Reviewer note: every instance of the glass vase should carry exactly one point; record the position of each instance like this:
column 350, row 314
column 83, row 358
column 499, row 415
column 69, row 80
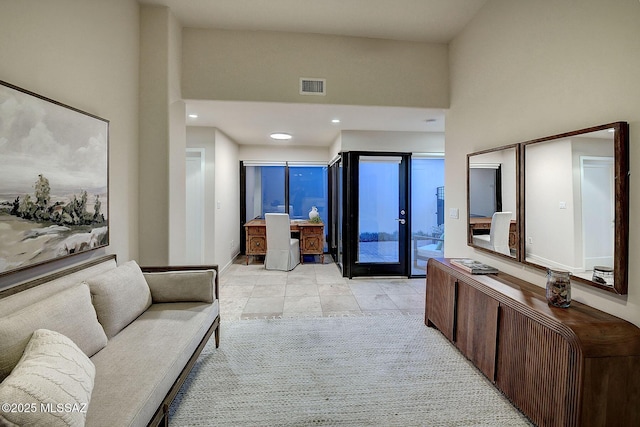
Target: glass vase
column 558, row 288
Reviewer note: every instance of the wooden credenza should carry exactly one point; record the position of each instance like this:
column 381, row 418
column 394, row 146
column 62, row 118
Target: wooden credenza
column 561, row 367
column 311, row 237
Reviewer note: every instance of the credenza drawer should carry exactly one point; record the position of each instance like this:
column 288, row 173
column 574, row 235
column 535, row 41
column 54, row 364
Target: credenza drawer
column 256, row 245
column 257, row 231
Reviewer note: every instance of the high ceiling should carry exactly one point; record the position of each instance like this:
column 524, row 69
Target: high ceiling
column 437, row 21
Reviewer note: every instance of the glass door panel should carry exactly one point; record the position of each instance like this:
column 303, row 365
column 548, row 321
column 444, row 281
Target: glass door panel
column 427, row 212
column 379, row 210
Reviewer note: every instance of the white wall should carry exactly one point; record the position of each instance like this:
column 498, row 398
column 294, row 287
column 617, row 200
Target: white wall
column 549, row 182
column 227, row 197
column 523, row 70
column 71, row 51
column 281, row 153
column 597, row 231
column 205, row 138
column 405, row 142
column 195, row 198
column 222, row 194
column 267, row 66
column 335, row 147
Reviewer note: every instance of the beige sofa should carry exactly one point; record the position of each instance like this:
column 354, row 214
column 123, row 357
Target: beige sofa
column 103, row 344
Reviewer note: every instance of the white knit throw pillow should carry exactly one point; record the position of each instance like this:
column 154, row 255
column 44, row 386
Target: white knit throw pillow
column 50, row 386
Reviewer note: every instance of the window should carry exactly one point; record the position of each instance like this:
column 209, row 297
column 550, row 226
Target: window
column 308, row 188
column 265, row 189
column 287, row 187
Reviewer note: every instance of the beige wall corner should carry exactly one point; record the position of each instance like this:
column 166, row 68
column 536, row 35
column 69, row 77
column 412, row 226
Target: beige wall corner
column 177, row 184
column 72, row 52
column 162, row 139
column 526, row 70
column 227, row 199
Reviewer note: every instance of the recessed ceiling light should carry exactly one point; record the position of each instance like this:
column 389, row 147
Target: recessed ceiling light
column 193, row 116
column 335, row 121
column 280, row 136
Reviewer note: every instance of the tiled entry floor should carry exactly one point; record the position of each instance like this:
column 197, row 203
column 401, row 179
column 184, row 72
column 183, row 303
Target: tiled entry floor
column 313, row 289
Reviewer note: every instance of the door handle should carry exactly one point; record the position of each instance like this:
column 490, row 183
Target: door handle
column 401, row 220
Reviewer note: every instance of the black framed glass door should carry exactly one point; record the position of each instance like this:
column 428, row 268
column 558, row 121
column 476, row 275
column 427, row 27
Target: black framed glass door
column 377, row 212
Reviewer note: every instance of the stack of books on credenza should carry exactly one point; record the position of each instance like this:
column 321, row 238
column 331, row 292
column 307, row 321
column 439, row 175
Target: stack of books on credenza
column 472, row 266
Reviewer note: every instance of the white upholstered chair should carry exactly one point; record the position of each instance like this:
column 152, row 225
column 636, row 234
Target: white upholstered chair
column 498, row 238
column 283, row 252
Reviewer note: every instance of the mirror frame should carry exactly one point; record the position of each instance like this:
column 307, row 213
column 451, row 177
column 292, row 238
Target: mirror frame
column 621, row 204
column 518, row 165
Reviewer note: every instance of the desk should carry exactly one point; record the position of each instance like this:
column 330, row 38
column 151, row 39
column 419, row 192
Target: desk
column 311, row 238
column 484, row 223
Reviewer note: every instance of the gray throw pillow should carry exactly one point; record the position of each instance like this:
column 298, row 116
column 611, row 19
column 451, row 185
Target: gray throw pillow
column 119, row 295
column 182, row 286
column 68, row 312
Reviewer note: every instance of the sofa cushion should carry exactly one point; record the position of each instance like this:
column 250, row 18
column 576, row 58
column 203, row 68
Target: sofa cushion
column 136, row 370
column 52, row 381
column 119, row 296
column 181, row 286
column 68, row 312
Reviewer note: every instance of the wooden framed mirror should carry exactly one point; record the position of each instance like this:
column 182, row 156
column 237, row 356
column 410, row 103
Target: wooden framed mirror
column 493, row 199
column 575, row 204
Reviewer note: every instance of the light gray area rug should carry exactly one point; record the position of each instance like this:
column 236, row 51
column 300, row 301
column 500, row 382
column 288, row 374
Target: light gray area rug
column 337, row 371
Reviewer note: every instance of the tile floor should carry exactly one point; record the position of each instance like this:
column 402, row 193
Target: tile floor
column 313, row 289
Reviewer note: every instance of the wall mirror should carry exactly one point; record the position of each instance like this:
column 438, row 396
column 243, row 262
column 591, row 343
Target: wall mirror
column 575, row 205
column 492, row 200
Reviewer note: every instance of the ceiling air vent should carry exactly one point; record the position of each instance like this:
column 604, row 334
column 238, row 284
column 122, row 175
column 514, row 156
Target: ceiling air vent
column 313, row 86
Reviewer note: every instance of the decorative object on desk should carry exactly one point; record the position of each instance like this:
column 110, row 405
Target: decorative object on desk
column 313, row 213
column 316, row 220
column 558, row 288
column 603, row 275
column 474, row 267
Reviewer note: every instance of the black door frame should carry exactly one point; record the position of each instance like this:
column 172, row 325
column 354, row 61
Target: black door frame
column 352, row 268
column 335, row 206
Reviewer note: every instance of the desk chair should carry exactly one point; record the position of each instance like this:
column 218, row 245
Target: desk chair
column 283, row 252
column 498, row 237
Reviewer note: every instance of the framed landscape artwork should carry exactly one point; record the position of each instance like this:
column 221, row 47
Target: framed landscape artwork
column 54, row 193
